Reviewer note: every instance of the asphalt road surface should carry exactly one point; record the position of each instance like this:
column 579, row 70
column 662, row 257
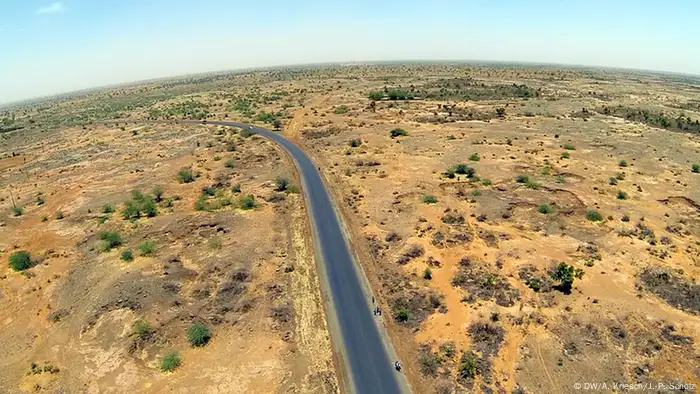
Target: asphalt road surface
column 371, row 369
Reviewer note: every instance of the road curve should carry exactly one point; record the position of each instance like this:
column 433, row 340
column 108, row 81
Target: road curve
column 366, row 357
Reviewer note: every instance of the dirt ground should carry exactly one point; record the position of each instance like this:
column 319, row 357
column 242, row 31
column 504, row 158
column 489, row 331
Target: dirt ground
column 464, row 187
column 247, row 274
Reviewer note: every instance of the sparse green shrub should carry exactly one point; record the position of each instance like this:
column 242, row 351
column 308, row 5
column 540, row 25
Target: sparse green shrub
column 230, row 163
column 625, row 218
column 185, row 175
column 170, row 362
column 231, row 146
column 486, row 182
column 474, row 157
column 40, row 200
column 467, row 365
column 476, row 193
column 200, row 204
column 131, row 211
column 245, row 133
column 127, row 255
column 157, row 193
column 430, row 199
column 546, row 170
column 461, row 169
column 20, row 260
column 612, row 181
column 532, row 184
column 107, row 208
column 236, row 188
column 217, row 158
column 355, row 142
column 621, row 195
column 402, row 315
column 341, row 110
column 398, row 133
column 111, row 239
column 59, row 215
column 593, row 215
column 247, row 202
column 565, row 155
column 146, row 248
column 214, row 243
column 545, row 209
column 569, row 147
column 44, row 218
column 142, row 329
column 17, row 211
column 428, row 274
column 620, row 176
column 522, row 178
column 137, row 195
column 198, row 334
column 695, row 168
column 622, row 163
column 560, row 179
column 208, row 191
column 281, row 184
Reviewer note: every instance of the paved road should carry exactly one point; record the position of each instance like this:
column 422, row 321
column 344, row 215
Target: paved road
column 371, row 369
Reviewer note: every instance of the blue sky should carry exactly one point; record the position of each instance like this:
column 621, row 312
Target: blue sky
column 53, row 47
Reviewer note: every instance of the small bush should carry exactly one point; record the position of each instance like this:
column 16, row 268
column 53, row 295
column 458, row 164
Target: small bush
column 355, row 142
column 531, row 184
column 236, row 188
column 486, row 182
column 569, row 147
column 620, row 176
column 621, row 195
column 461, row 169
column 340, row 110
column 107, row 208
column 545, row 209
column 59, row 215
column 428, row 274
column 402, row 315
column 230, row 163
column 625, row 218
column 622, row 163
column 217, row 158
column 111, row 239
column 593, row 215
column 146, row 248
column 522, row 178
column 142, row 329
column 170, row 362
column 44, row 218
column 198, row 334
column 281, row 184
column 474, row 157
column 200, row 204
column 560, row 179
column 476, row 193
column 695, row 168
column 247, row 202
column 40, row 200
column 565, row 155
column 17, row 211
column 185, row 175
column 430, row 199
column 127, row 255
column 468, row 365
column 20, row 260
column 157, row 194
column 208, row 191
column 612, row 181
column 398, row 133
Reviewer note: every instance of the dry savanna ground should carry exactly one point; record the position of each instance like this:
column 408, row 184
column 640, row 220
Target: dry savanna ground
column 161, row 258
column 525, row 228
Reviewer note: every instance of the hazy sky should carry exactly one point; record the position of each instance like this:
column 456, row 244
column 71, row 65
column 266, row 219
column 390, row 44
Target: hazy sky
column 58, row 46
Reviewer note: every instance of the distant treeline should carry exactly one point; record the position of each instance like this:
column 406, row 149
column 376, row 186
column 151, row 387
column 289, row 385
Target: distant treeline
column 464, row 89
column 651, row 118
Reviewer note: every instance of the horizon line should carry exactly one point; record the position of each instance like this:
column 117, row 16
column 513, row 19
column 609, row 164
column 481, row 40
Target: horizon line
column 326, row 64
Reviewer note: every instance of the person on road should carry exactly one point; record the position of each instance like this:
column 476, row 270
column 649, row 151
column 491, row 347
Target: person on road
column 373, row 299
column 397, row 365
